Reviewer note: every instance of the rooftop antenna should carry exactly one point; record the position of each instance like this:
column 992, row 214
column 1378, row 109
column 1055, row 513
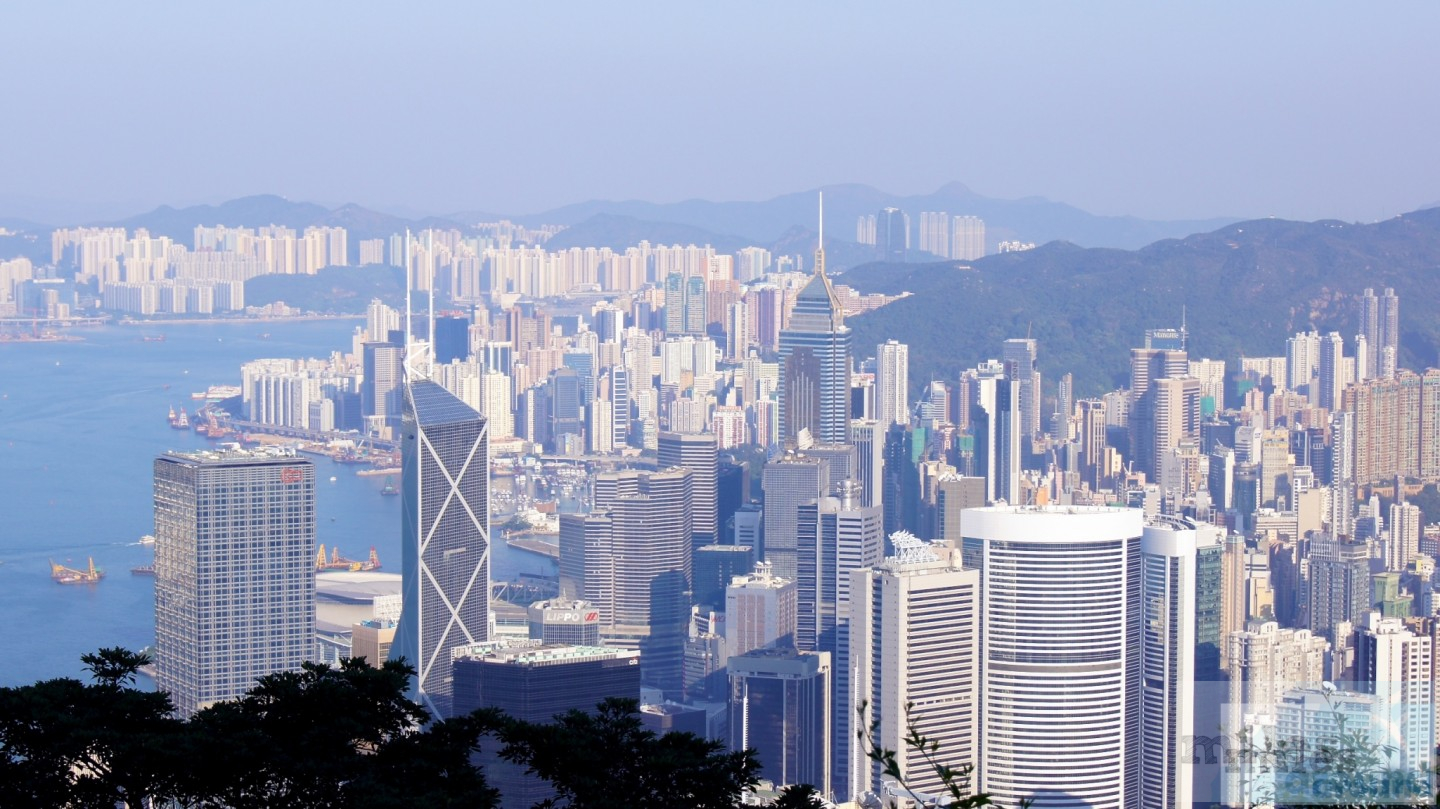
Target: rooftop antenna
column 408, row 284
column 820, row 245
column 429, row 264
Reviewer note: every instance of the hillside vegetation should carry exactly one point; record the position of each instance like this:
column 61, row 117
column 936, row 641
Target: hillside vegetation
column 1243, row 288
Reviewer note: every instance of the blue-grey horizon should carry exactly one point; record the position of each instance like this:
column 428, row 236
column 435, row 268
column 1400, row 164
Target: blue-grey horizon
column 1300, row 111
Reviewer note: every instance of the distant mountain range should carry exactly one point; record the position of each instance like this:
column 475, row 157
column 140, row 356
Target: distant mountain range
column 1243, row 288
column 1032, row 219
column 267, row 209
column 725, row 225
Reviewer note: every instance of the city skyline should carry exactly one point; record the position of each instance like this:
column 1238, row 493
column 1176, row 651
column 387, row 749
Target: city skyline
column 1058, row 499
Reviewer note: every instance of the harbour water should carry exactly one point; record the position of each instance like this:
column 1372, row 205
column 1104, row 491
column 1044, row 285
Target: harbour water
column 80, row 423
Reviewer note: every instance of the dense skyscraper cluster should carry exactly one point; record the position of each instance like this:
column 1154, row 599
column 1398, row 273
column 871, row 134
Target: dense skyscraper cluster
column 1069, row 588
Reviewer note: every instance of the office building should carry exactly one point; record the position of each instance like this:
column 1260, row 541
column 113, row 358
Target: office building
column 915, row 638
column 1168, row 640
column 954, row 494
column 1147, row 367
column 698, row 453
column 371, row 639
column 780, row 706
column 715, row 567
column 835, row 537
column 234, row 572
column 892, row 379
column 381, row 395
column 868, row 438
column 1019, row 356
column 787, row 483
column 759, row 611
column 444, row 536
column 535, row 683
column 892, row 234
column 1339, row 584
column 564, row 621
column 648, row 568
column 815, row 363
column 1062, row 614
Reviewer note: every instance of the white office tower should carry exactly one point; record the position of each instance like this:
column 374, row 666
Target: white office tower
column 759, row 611
column 914, row 642
column 892, row 378
column 1060, row 664
column 1395, row 665
column 1167, row 661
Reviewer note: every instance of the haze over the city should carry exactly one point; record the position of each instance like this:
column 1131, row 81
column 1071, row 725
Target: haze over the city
column 1295, row 110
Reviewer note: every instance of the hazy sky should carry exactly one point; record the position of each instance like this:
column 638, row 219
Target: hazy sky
column 1301, row 110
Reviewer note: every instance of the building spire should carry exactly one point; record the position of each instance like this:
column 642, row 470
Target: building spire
column 820, row 246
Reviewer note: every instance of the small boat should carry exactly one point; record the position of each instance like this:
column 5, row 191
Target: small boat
column 389, row 489
column 333, row 478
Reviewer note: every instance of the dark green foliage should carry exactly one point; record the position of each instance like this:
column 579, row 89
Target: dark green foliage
column 320, row 737
column 1245, row 288
column 68, row 743
column 798, row 796
column 608, row 760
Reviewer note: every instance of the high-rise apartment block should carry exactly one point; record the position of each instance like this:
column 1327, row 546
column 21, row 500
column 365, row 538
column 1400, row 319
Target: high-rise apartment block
column 234, row 571
column 1397, row 427
column 967, row 235
column 892, row 380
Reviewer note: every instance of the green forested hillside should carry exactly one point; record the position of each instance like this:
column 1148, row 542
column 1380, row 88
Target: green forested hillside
column 1244, row 289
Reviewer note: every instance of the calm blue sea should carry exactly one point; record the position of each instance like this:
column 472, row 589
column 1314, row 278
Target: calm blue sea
column 79, row 426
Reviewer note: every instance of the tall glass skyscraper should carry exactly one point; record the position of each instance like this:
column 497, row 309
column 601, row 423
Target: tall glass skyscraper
column 815, row 363
column 234, row 571
column 445, row 537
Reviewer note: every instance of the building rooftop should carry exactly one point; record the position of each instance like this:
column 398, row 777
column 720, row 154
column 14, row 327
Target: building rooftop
column 235, row 454
column 521, row 653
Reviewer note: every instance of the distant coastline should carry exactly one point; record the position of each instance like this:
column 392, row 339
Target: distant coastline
column 240, row 319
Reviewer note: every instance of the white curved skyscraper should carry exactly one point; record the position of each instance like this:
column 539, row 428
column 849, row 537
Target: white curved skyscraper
column 1061, row 596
